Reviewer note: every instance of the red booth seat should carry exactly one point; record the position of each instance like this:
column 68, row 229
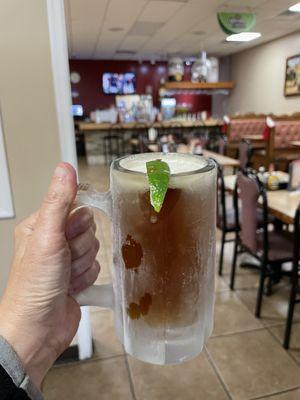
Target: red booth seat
column 240, row 128
column 285, row 133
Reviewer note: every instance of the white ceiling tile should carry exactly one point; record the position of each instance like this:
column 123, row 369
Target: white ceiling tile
column 83, row 38
column 89, row 24
column 274, row 7
column 118, row 14
column 145, row 28
column 109, row 41
column 87, row 9
column 132, row 43
column 231, row 4
column 123, row 13
column 159, row 11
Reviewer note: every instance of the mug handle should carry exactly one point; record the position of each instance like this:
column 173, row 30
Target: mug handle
column 95, row 295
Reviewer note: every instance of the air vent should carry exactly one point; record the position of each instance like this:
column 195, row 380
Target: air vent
column 198, row 33
column 232, row 43
column 174, row 1
column 145, row 28
column 126, row 52
column 116, row 29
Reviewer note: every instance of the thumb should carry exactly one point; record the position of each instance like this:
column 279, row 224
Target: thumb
column 58, row 201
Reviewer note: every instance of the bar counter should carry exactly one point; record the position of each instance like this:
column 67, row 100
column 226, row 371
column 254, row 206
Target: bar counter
column 104, row 126
column 94, row 133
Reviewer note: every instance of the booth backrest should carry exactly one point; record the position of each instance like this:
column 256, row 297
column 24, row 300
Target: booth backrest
column 285, row 132
column 241, row 128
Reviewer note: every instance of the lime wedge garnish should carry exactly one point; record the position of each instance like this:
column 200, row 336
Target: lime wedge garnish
column 158, row 177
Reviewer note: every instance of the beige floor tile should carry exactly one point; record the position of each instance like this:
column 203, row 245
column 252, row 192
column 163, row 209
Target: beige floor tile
column 292, row 395
column 106, row 343
column 294, row 349
column 231, row 315
column 274, row 307
column 192, row 380
column 103, row 380
column 97, row 175
column 227, row 261
column 244, row 280
column 105, row 266
column 221, row 284
column 253, row 364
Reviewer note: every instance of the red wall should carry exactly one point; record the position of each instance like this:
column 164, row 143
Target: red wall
column 90, row 93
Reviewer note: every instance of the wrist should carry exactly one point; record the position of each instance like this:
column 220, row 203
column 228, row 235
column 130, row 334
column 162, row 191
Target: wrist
column 36, row 357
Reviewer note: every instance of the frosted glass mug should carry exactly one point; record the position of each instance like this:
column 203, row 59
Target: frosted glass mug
column 162, row 290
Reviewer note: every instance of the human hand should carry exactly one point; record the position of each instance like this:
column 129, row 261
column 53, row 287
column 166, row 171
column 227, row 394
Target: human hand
column 54, row 257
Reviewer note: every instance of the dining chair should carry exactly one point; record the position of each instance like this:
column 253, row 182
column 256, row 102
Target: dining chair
column 294, row 293
column 222, row 145
column 143, row 143
column 270, row 248
column 244, row 153
column 176, row 129
column 141, row 129
column 113, row 143
column 294, row 174
column 225, row 217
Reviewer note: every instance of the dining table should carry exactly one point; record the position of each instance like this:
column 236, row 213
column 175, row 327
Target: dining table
column 222, row 160
column 282, row 203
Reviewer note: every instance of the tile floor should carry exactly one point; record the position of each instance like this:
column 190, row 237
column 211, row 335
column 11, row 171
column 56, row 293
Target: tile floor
column 243, row 360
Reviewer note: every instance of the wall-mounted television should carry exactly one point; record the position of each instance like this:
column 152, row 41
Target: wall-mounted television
column 113, row 83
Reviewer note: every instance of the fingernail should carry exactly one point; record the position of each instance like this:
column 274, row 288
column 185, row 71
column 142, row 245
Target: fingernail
column 60, row 173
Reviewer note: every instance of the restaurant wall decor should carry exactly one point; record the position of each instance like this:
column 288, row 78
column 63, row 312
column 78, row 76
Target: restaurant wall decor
column 88, row 92
column 292, row 76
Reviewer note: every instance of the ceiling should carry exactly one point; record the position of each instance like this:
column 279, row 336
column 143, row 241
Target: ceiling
column 154, row 29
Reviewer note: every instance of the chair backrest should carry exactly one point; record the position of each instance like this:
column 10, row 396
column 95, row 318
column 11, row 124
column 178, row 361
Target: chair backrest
column 245, row 150
column 297, row 235
column 143, row 148
column 222, row 145
column 294, row 171
column 249, row 189
column 285, row 132
column 245, row 126
column 221, row 199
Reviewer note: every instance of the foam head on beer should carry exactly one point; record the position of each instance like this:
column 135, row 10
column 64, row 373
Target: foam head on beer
column 178, row 163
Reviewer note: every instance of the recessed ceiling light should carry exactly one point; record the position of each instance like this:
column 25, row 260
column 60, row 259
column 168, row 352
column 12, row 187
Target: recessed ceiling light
column 295, row 7
column 116, row 29
column 243, row 37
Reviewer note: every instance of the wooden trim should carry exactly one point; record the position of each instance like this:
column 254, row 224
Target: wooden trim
column 6, row 201
column 62, row 88
column 186, row 85
column 285, row 117
column 248, row 116
column 276, row 117
column 61, row 79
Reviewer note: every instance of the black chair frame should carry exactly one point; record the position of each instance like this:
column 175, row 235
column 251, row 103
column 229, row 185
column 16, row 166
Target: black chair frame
column 268, row 269
column 225, row 229
column 294, row 293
